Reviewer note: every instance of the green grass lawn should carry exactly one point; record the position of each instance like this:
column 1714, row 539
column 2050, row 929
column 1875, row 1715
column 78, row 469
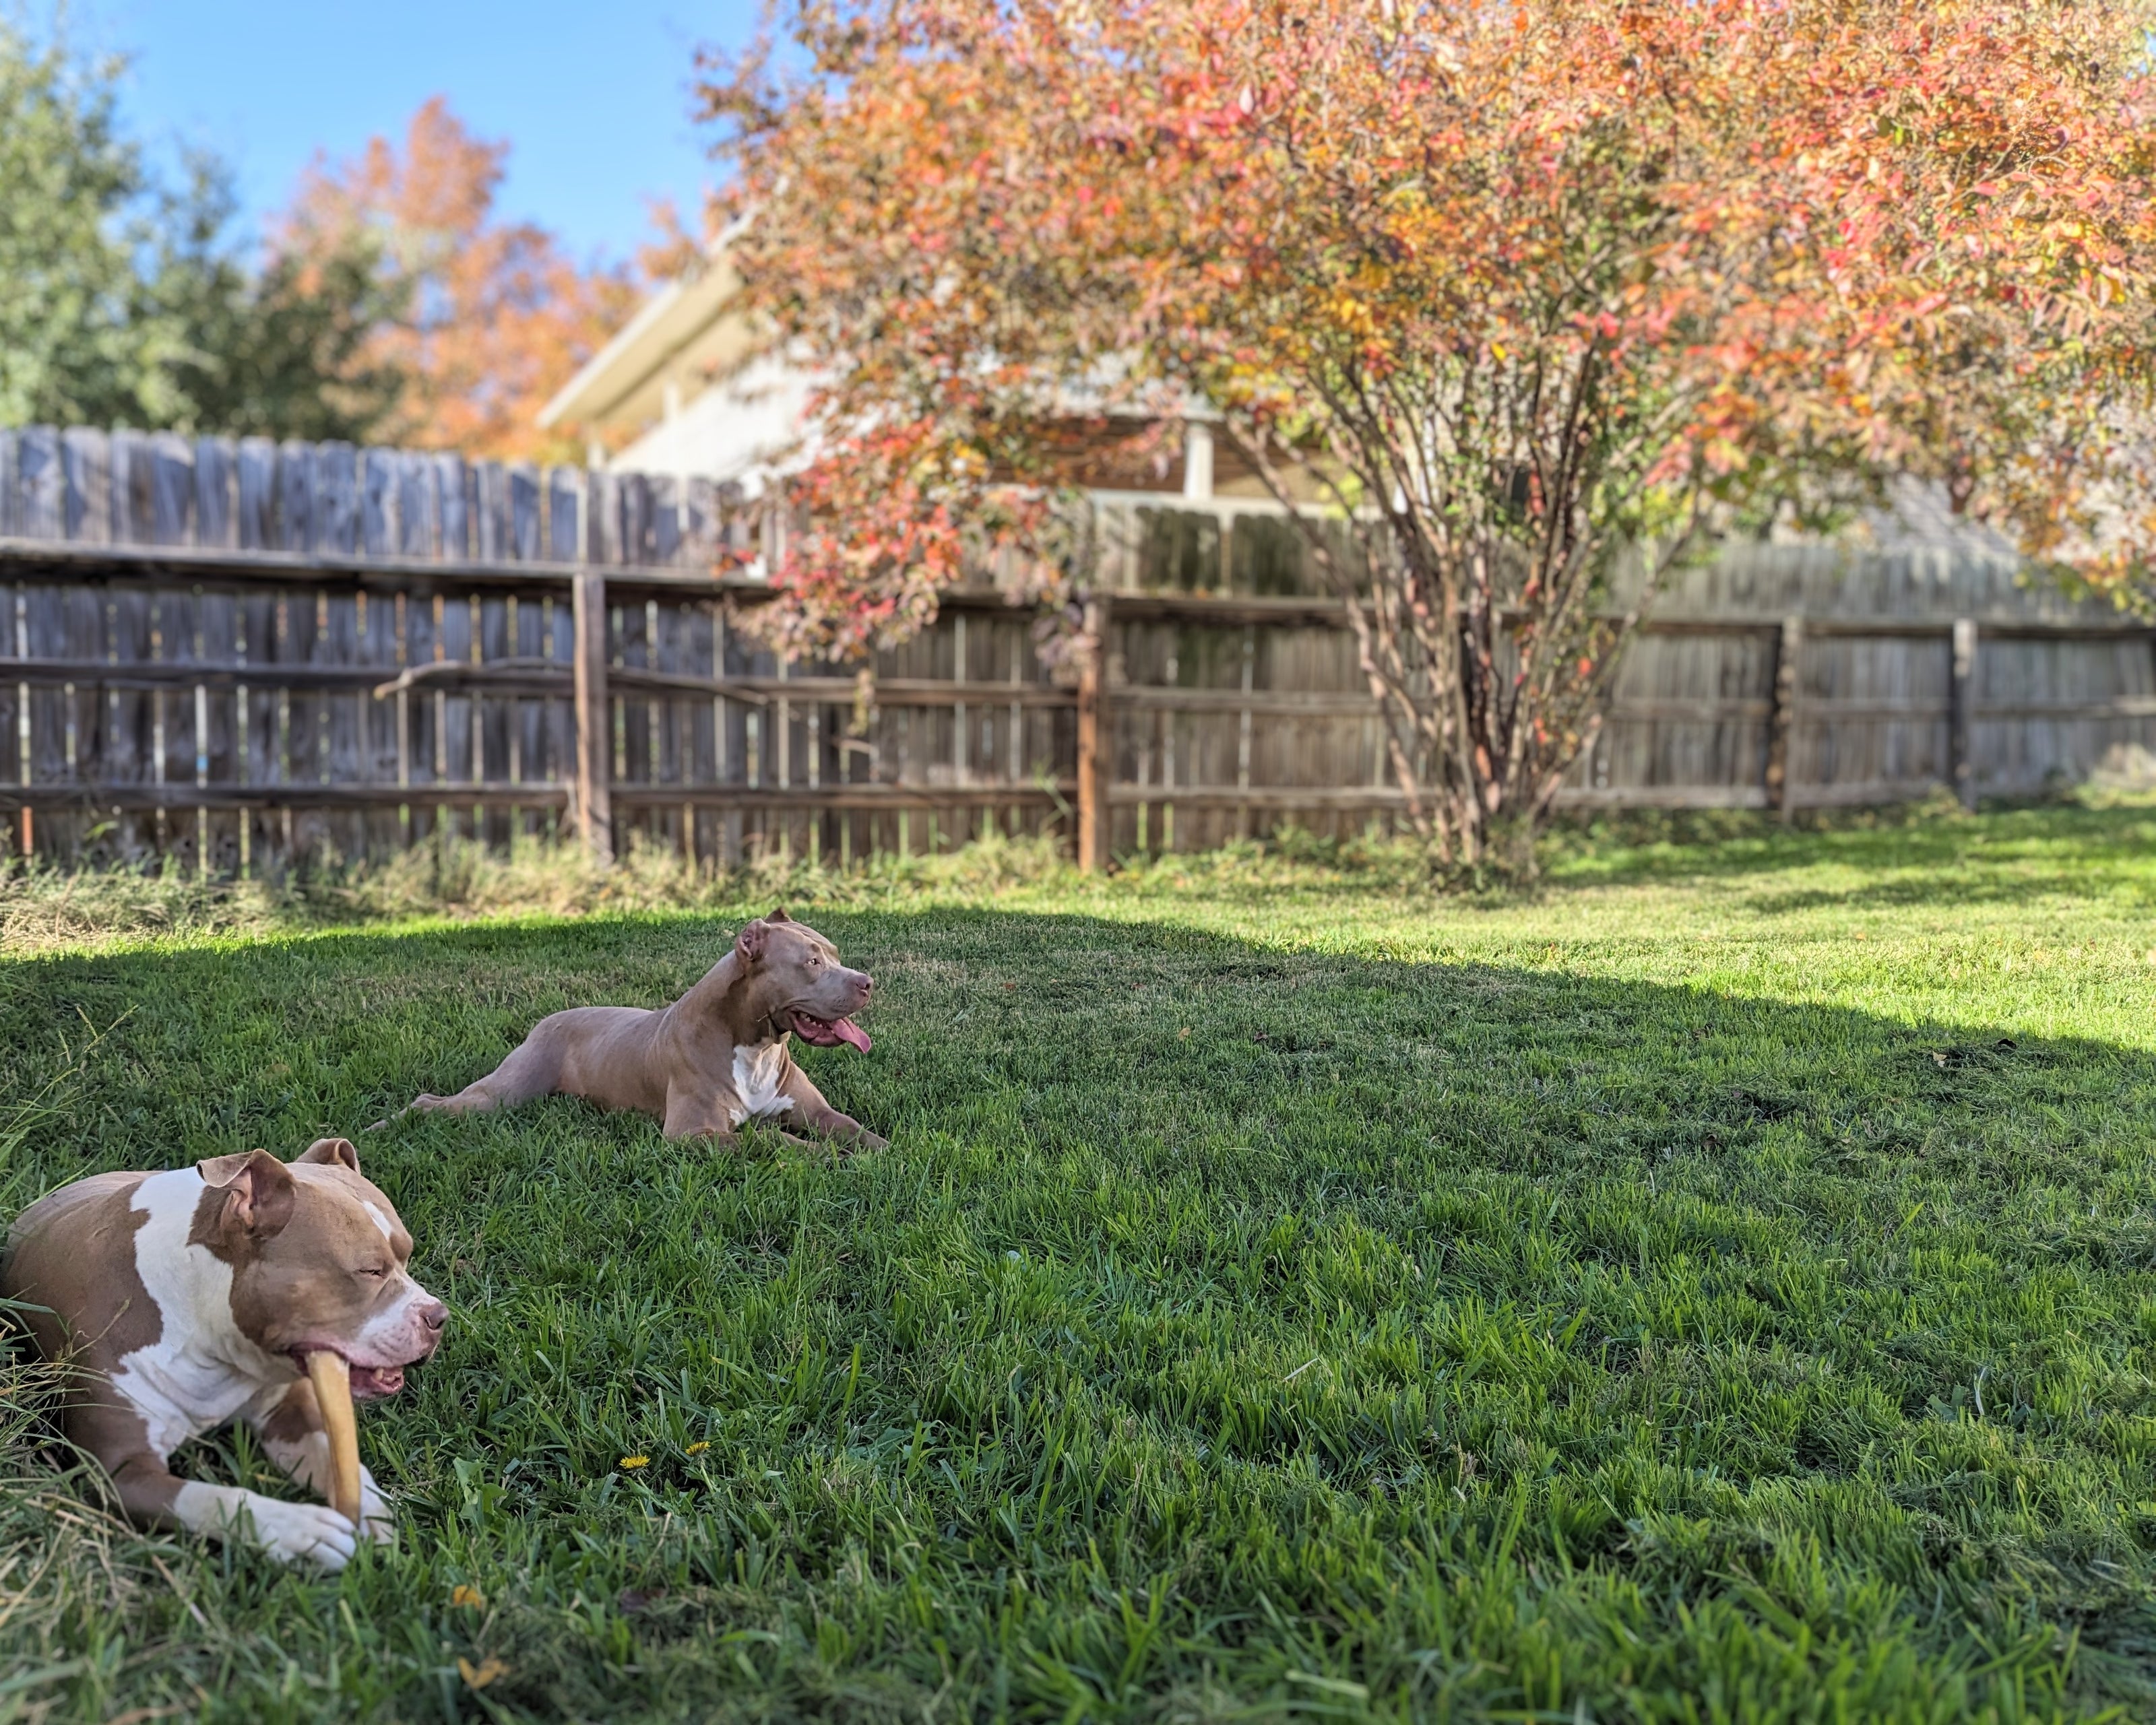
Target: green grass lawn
column 1717, row 1286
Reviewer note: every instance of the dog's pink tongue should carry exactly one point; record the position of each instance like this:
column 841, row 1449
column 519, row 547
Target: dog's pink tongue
column 851, row 1032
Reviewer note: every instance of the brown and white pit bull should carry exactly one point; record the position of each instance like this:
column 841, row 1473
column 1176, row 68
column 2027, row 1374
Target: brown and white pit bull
column 717, row 1057
column 188, row 1299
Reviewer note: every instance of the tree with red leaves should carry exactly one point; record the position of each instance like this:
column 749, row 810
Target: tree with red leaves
column 1544, row 297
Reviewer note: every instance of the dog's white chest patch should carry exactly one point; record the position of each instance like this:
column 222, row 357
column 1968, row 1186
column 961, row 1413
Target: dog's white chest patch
column 758, row 1072
column 200, row 1371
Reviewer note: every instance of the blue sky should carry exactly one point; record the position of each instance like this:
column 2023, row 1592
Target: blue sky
column 592, row 99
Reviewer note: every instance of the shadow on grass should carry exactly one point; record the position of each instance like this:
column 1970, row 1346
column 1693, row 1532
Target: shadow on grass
column 1224, row 1321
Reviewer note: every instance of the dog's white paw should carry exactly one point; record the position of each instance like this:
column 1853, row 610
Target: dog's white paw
column 303, row 1533
column 290, row 1532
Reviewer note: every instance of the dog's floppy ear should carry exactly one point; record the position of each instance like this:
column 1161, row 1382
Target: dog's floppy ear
column 332, row 1153
column 778, row 916
column 249, row 1197
column 751, row 941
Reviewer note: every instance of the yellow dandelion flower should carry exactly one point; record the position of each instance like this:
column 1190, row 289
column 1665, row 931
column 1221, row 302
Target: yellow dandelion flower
column 636, row 1461
column 467, row 1596
column 698, row 1449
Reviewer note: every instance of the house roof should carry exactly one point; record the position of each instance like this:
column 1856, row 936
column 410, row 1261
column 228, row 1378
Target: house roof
column 684, row 384
column 684, row 336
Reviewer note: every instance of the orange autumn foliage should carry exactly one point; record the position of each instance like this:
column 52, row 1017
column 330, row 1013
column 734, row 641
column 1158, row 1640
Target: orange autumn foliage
column 497, row 316
column 1555, row 292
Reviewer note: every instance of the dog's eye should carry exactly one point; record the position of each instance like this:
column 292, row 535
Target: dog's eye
column 374, row 1270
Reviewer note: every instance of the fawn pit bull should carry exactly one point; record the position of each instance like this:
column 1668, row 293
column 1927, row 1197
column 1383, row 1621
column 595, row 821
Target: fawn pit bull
column 717, row 1057
column 187, row 1298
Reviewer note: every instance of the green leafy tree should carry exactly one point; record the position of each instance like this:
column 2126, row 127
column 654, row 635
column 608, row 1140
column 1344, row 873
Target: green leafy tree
column 123, row 301
column 290, row 350
column 73, row 345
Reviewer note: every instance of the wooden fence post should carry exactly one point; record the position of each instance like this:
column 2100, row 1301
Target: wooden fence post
column 1782, row 728
column 1960, row 710
column 594, row 716
column 1092, row 749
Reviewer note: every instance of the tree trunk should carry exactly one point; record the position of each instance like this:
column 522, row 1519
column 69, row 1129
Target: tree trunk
column 1489, row 647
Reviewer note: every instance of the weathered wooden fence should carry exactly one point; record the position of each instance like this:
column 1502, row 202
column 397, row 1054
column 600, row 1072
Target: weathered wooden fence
column 250, row 654
column 247, row 655
column 1778, row 676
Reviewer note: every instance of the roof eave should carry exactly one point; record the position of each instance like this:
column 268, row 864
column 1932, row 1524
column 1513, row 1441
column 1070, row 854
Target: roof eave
column 643, row 347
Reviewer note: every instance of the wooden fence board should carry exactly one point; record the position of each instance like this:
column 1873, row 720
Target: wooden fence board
column 82, row 633
column 604, row 541
column 176, row 628
column 561, row 712
column 128, row 466
column 86, row 475
column 344, row 762
column 495, row 712
column 217, row 519
column 40, row 509
column 12, row 690
column 378, row 831
column 171, row 465
column 455, row 762
column 378, row 502
column 295, row 497
column 335, row 498
column 129, row 714
column 256, row 494
column 633, row 492
column 260, row 709
column 305, row 639
column 669, row 654
column 565, row 496
column 43, row 613
column 217, row 757
column 419, row 513
column 523, row 481
column 490, row 520
column 527, row 720
column 418, row 731
column 452, row 520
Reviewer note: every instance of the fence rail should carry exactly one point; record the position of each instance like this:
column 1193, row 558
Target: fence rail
column 244, row 655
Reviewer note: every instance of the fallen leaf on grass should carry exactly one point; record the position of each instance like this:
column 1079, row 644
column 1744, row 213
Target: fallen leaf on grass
column 467, row 1596
column 1938, row 1055
column 480, row 1676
